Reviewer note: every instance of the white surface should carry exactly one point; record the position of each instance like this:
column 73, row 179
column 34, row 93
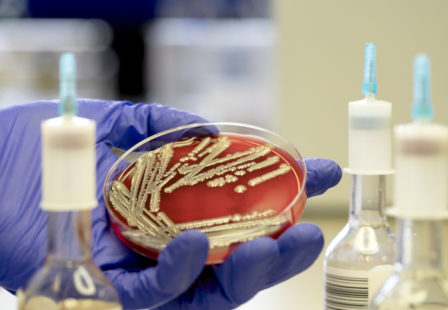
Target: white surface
column 7, row 300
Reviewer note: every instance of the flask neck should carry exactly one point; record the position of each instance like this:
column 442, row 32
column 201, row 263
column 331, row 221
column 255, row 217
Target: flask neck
column 69, row 235
column 420, row 244
column 367, row 201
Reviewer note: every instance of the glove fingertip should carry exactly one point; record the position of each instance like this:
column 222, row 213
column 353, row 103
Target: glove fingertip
column 302, row 234
column 299, row 247
column 191, row 241
column 181, row 262
column 311, row 233
column 304, row 242
column 254, row 251
column 246, row 270
column 322, row 174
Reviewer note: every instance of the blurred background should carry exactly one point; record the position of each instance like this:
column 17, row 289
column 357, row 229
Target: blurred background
column 287, row 65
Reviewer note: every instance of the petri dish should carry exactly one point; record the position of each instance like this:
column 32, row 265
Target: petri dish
column 234, row 182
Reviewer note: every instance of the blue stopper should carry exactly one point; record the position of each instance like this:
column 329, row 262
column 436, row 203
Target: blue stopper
column 369, row 86
column 67, row 84
column 422, row 107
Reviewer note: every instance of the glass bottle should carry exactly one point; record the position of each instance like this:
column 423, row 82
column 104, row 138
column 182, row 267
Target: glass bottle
column 69, row 279
column 420, row 281
column 360, row 257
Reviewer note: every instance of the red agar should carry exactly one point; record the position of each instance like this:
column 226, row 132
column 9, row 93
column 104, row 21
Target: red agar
column 246, row 175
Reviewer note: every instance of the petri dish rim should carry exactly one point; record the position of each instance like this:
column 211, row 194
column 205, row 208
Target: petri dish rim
column 292, row 148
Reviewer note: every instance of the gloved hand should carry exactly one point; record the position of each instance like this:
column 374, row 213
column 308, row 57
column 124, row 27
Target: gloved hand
column 179, row 279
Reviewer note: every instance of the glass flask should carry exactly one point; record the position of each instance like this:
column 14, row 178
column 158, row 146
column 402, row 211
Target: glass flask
column 421, row 147
column 360, row 257
column 232, row 181
column 420, row 281
column 69, row 279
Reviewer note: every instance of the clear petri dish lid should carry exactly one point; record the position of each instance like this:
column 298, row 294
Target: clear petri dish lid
column 234, row 182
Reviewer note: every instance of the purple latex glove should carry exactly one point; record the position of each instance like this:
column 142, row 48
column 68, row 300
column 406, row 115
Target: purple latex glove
column 179, row 279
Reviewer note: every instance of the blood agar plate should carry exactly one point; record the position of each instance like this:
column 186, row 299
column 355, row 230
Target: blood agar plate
column 234, row 182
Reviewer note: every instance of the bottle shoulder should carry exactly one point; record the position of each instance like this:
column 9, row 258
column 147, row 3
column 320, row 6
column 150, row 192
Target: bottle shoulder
column 57, row 283
column 413, row 290
column 365, row 245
